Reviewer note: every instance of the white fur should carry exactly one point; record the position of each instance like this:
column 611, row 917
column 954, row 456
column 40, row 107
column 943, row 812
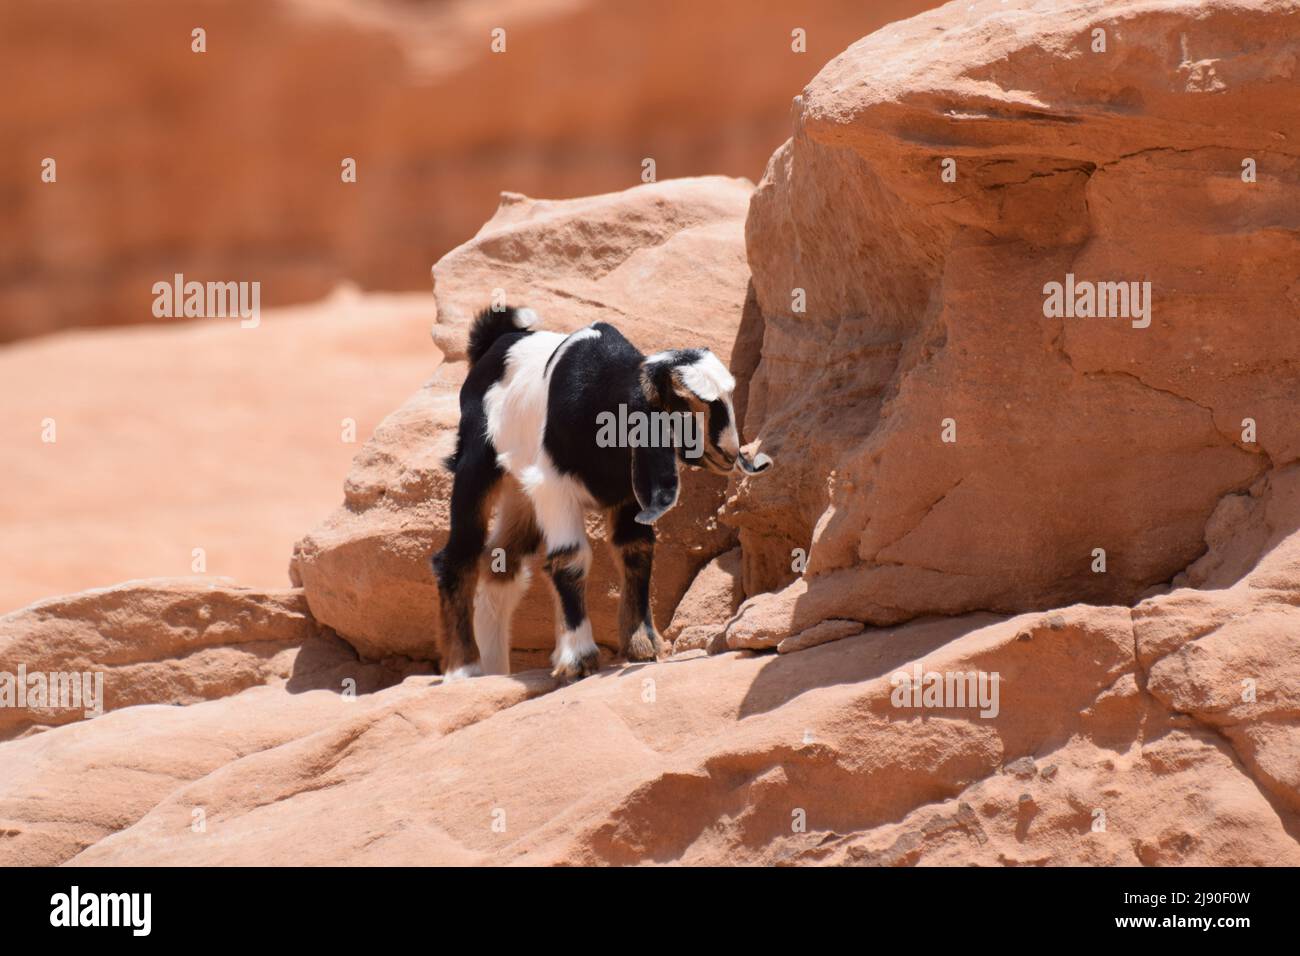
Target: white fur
column 708, row 378
column 461, row 673
column 710, row 381
column 572, row 646
column 516, row 405
column 494, row 605
column 561, row 504
column 516, row 422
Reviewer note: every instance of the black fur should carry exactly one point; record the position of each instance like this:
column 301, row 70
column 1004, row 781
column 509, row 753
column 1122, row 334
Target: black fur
column 488, row 327
column 594, row 375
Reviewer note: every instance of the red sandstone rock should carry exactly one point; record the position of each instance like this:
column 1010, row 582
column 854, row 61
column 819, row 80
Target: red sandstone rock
column 1090, row 755
column 710, row 601
column 1160, row 731
column 164, row 641
column 823, row 633
column 925, row 309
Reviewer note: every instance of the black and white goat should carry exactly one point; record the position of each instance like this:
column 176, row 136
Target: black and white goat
column 528, row 445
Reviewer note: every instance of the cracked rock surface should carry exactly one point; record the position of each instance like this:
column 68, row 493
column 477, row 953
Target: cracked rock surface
column 1118, row 736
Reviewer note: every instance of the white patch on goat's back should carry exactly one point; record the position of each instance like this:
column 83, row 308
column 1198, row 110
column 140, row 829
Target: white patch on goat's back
column 526, row 318
column 516, row 405
column 707, row 377
column 516, row 425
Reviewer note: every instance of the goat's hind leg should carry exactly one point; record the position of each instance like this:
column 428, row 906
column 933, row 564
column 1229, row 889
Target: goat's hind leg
column 504, row 576
column 457, row 564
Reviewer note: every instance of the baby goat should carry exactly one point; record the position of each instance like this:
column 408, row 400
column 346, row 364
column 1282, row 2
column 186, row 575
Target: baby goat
column 529, row 444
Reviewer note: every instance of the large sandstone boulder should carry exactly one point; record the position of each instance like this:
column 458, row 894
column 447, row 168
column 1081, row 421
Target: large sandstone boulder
column 235, row 173
column 902, row 307
column 64, row 790
column 665, row 263
column 708, row 604
column 666, row 259
column 164, row 641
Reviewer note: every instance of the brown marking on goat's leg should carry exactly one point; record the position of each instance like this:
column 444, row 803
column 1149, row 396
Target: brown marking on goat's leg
column 634, row 545
column 504, row 575
column 474, row 491
column 515, row 531
column 458, row 647
column 576, row 655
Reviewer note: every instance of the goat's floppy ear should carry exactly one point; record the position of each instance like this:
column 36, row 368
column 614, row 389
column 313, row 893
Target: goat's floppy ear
column 658, row 381
column 654, row 482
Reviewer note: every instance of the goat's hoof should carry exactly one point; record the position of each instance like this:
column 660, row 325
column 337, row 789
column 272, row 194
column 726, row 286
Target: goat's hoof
column 641, row 647
column 570, row 669
column 462, row 672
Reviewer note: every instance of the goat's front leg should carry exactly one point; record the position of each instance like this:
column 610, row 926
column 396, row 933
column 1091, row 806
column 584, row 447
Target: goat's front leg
column 634, row 543
column 560, row 516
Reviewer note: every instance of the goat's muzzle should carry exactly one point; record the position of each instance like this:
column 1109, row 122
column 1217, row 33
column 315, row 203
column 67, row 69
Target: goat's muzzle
column 753, row 466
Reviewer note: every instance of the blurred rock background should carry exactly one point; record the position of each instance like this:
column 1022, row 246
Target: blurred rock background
column 225, row 165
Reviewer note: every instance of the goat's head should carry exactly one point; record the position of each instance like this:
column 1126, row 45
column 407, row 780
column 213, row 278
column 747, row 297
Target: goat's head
column 694, row 384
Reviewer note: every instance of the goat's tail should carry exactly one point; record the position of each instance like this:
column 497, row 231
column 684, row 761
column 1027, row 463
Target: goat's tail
column 489, row 325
